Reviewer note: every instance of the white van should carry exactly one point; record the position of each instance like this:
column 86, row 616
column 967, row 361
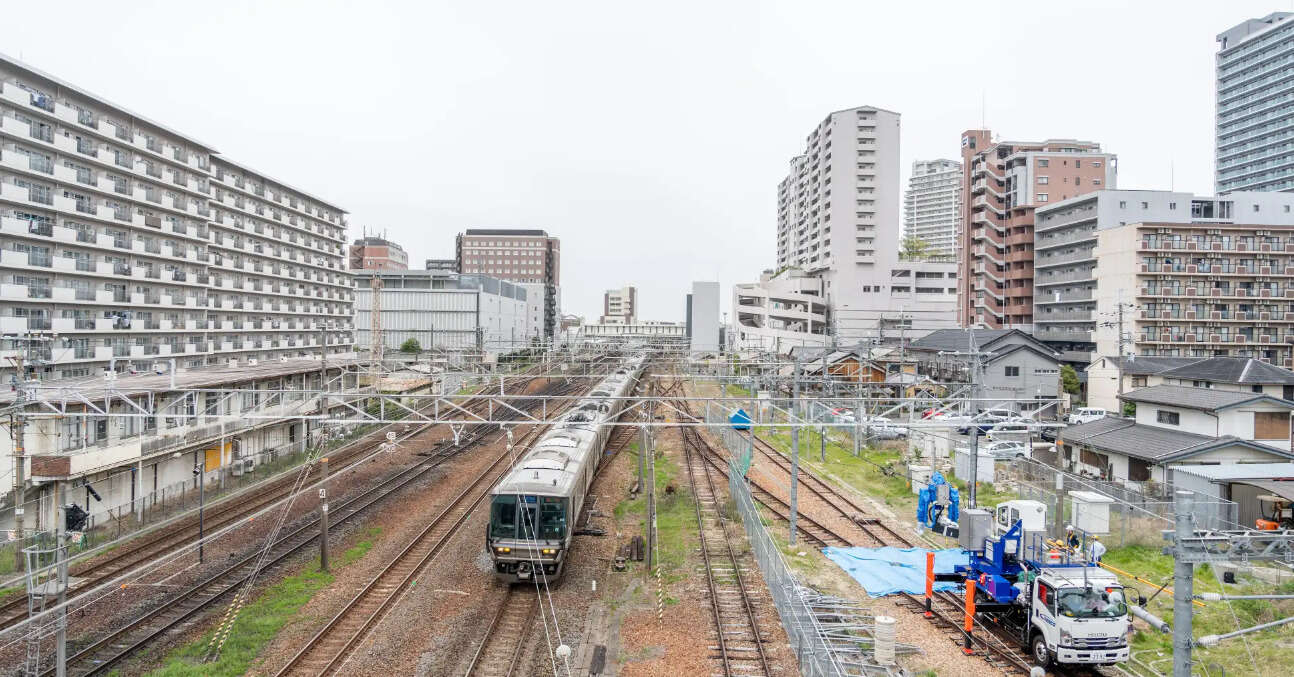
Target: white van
column 1086, row 415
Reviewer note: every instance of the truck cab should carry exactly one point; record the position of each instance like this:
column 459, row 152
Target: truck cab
column 1077, row 615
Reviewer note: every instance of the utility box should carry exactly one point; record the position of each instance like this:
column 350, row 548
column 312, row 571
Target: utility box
column 975, row 525
column 920, row 476
column 963, row 470
column 1091, row 511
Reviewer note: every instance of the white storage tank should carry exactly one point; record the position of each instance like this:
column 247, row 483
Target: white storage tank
column 962, row 466
column 920, row 476
column 1090, row 511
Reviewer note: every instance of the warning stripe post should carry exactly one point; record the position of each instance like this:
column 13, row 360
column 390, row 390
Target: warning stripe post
column 970, row 616
column 930, row 582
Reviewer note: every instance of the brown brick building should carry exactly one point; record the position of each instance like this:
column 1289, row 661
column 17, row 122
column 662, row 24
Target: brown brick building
column 1002, row 183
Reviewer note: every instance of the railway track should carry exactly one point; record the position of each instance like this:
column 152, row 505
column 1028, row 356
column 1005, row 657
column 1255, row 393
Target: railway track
column 333, row 645
column 739, row 644
column 147, row 546
column 500, row 652
column 108, row 651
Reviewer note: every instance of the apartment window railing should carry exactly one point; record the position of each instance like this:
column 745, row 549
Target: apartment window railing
column 84, row 294
column 86, row 147
column 85, row 206
column 39, row 323
column 120, row 296
column 85, row 236
column 38, row 291
column 40, row 163
column 85, row 265
column 41, row 259
column 124, row 134
column 40, row 228
column 42, row 132
column 85, row 176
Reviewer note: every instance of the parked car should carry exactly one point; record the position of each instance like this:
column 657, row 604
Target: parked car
column 1086, row 415
column 1013, row 430
column 842, row 415
column 883, row 428
column 985, row 420
column 1007, row 449
column 1050, row 434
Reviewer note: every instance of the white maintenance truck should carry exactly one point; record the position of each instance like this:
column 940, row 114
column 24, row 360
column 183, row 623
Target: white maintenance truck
column 1059, row 606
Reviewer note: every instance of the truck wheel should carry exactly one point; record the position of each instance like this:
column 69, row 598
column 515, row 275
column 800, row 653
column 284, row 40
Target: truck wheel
column 1040, row 653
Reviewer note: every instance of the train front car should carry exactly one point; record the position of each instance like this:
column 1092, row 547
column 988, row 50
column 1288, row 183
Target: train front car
column 534, row 507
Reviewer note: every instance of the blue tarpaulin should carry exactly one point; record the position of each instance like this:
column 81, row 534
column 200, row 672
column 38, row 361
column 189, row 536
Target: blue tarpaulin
column 740, row 420
column 886, row 571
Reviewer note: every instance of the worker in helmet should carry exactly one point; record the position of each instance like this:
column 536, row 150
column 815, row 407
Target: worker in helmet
column 1097, row 549
column 1071, row 538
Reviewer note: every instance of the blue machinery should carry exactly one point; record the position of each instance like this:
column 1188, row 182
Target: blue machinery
column 937, row 506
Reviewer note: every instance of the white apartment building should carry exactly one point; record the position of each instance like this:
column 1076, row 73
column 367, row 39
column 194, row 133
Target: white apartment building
column 932, row 204
column 620, row 305
column 444, row 310
column 781, row 311
column 1216, row 283
column 1252, row 130
column 1065, row 235
column 838, row 219
column 124, row 242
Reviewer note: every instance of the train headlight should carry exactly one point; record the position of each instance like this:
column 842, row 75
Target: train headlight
column 502, row 550
column 549, row 551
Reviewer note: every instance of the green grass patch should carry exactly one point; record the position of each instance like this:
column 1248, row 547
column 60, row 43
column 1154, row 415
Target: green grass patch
column 675, row 515
column 1213, row 618
column 876, row 471
column 259, row 621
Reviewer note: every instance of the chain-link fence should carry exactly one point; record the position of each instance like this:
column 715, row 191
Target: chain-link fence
column 1134, row 518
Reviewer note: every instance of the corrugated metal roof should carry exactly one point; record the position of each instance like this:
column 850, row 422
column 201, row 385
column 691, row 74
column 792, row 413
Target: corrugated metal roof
column 1233, row 472
column 1207, row 399
column 957, row 339
column 1233, row 370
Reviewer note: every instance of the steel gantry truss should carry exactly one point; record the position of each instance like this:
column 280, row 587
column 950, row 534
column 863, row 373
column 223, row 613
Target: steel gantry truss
column 204, row 405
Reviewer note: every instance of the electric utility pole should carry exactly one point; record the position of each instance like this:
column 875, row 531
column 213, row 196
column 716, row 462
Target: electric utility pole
column 795, row 444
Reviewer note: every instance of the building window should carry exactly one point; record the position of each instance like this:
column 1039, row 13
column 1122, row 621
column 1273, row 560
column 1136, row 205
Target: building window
column 1145, row 205
column 1255, row 208
column 1043, row 180
column 1043, row 163
column 1172, row 205
column 1042, row 197
column 1096, row 163
column 1123, row 204
column 1257, row 389
column 1012, row 371
column 1138, row 381
column 1168, row 417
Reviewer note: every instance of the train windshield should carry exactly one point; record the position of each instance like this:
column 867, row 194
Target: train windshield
column 528, row 517
column 503, row 517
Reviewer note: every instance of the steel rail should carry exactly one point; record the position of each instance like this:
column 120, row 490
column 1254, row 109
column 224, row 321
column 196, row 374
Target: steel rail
column 372, row 603
column 231, row 577
column 695, row 451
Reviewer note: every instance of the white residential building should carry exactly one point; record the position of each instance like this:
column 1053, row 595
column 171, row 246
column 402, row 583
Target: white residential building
column 1252, row 130
column 620, row 305
column 838, row 220
column 932, row 204
column 125, row 242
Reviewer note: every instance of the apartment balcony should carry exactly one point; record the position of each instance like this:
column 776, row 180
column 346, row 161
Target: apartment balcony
column 1063, row 333
column 1041, row 241
column 1062, row 278
column 1065, row 316
column 1080, row 295
column 1080, row 255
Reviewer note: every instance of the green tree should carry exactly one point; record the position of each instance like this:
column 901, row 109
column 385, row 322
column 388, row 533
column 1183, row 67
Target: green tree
column 914, row 248
column 411, row 346
column 1069, row 379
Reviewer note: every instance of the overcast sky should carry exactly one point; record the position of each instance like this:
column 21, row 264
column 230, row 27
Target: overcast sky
column 650, row 137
